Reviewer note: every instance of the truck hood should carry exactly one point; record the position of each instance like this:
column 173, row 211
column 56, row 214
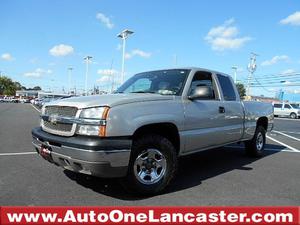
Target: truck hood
column 109, row 100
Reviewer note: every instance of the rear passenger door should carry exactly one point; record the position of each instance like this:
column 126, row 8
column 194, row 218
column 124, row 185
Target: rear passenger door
column 233, row 110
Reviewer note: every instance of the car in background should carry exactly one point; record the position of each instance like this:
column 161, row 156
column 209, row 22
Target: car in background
column 287, row 110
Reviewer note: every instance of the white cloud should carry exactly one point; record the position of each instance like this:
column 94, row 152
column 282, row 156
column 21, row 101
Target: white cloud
column 107, row 72
column 288, row 71
column 61, row 50
column 37, row 73
column 225, row 37
column 104, row 79
column 105, row 20
column 138, row 52
column 275, row 60
column 293, row 19
column 119, row 47
column 7, row 57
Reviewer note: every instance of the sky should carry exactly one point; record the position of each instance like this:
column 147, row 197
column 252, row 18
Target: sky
column 40, row 40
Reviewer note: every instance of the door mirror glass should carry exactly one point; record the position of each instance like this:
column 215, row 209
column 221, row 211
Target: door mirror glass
column 202, row 92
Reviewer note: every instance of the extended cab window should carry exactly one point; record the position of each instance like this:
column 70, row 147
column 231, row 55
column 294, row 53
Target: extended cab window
column 227, row 88
column 202, row 78
column 278, row 106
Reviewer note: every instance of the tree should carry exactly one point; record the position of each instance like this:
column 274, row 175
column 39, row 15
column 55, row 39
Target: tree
column 37, row 88
column 7, row 86
column 241, row 89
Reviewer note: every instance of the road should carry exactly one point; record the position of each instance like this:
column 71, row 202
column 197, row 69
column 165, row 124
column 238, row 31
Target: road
column 224, row 176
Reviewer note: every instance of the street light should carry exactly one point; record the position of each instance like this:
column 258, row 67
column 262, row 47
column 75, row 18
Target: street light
column 70, row 77
column 235, row 72
column 87, row 61
column 124, row 35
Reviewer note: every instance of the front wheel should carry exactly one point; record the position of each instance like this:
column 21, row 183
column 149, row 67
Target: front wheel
column 152, row 166
column 293, row 115
column 256, row 145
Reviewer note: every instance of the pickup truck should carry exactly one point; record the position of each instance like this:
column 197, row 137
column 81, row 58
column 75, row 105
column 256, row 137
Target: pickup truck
column 138, row 133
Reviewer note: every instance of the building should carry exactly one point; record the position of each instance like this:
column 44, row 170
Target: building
column 27, row 94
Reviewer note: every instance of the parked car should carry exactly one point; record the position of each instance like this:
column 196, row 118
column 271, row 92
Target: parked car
column 287, row 110
column 138, row 133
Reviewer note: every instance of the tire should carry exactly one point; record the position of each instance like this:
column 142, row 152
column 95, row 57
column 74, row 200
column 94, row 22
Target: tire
column 147, row 150
column 293, row 116
column 256, row 145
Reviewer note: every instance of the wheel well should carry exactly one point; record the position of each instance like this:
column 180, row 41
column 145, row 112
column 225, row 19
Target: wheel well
column 262, row 121
column 167, row 130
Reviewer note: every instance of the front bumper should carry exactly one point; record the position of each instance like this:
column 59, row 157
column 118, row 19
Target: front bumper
column 101, row 157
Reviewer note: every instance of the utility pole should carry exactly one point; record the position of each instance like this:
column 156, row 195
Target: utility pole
column 87, row 61
column 251, row 68
column 70, row 78
column 234, row 72
column 124, row 35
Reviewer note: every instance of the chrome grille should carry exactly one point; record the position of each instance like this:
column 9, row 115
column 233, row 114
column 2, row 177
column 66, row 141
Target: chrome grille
column 58, row 128
column 65, row 111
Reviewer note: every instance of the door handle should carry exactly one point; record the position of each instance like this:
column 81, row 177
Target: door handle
column 221, row 109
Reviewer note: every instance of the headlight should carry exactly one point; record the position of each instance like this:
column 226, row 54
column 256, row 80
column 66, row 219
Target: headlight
column 93, row 113
column 99, row 113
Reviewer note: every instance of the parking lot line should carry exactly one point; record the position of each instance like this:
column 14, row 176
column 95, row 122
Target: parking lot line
column 293, row 120
column 267, row 149
column 36, row 108
column 283, row 144
column 17, row 153
column 290, row 132
column 297, row 139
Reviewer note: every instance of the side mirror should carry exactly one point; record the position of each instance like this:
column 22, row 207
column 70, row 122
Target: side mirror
column 202, row 92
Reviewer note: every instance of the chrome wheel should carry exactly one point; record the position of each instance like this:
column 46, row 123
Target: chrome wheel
column 150, row 166
column 259, row 141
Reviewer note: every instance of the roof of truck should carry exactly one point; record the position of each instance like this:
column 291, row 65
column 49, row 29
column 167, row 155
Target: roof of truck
column 190, row 68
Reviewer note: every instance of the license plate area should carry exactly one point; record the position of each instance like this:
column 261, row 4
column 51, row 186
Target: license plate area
column 45, row 152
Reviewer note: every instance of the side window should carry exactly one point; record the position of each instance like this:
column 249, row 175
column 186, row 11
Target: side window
column 202, row 78
column 287, row 106
column 227, row 88
column 278, row 106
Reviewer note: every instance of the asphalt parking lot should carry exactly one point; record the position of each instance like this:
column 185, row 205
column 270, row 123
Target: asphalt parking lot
column 224, row 176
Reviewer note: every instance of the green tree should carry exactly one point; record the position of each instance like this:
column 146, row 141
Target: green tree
column 241, row 89
column 7, row 86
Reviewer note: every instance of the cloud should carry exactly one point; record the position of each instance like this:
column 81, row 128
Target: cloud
column 288, row 71
column 105, row 20
column 119, row 47
column 275, row 60
column 61, row 50
column 7, row 57
column 107, row 72
column 293, row 19
column 37, row 73
column 104, row 79
column 138, row 52
column 225, row 37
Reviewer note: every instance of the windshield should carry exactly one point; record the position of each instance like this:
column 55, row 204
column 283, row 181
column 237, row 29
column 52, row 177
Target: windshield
column 295, row 106
column 164, row 82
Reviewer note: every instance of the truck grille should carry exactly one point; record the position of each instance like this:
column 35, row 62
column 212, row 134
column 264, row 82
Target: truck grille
column 58, row 128
column 61, row 111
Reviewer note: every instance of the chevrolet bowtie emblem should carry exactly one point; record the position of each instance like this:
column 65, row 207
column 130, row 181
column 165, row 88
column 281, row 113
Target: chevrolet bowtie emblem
column 53, row 119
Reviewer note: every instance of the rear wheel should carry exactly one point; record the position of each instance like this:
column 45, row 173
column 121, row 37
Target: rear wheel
column 152, row 166
column 293, row 115
column 256, row 145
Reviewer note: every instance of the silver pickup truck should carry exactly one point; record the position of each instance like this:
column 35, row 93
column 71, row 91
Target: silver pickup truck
column 139, row 132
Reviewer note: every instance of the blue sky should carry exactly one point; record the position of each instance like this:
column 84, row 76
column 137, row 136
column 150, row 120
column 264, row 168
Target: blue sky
column 39, row 40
